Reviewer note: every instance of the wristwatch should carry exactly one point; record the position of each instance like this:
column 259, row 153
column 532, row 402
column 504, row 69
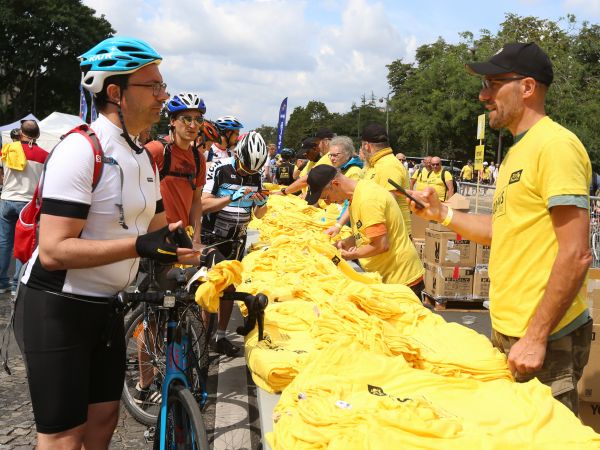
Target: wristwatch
column 283, row 191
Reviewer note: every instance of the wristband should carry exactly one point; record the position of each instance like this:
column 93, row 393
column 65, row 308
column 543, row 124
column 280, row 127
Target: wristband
column 448, row 218
column 337, row 225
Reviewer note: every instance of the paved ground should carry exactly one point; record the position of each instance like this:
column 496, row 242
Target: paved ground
column 232, row 394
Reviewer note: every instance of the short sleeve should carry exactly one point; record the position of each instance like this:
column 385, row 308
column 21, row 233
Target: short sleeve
column 564, row 169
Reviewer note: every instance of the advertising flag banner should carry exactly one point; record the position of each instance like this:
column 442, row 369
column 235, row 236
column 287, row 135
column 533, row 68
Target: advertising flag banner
column 83, row 107
column 281, row 124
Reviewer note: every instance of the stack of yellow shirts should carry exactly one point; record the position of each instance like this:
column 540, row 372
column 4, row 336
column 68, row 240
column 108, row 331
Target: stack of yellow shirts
column 349, row 398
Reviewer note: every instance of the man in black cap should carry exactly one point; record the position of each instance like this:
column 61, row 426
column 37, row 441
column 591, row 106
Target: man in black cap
column 540, row 250
column 316, row 150
column 379, row 238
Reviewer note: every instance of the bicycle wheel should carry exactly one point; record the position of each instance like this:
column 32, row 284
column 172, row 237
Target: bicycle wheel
column 185, row 428
column 152, row 354
column 153, row 360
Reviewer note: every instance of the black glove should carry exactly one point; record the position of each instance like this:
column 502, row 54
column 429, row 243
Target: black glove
column 156, row 246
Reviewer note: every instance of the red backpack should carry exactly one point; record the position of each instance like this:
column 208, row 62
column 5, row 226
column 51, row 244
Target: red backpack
column 26, row 229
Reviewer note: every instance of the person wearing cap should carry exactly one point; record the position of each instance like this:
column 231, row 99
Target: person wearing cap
column 485, row 174
column 379, row 240
column 21, row 164
column 440, row 179
column 316, row 149
column 382, row 166
column 538, row 230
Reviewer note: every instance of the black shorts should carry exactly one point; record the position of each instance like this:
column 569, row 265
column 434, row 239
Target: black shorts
column 69, row 365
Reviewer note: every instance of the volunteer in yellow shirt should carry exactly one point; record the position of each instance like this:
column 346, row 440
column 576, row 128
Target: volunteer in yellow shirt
column 440, row 179
column 419, row 177
column 380, row 240
column 466, row 173
column 485, row 175
column 383, row 165
column 343, row 156
column 538, row 230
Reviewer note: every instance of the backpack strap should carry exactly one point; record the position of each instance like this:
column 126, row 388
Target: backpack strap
column 99, row 159
column 167, row 165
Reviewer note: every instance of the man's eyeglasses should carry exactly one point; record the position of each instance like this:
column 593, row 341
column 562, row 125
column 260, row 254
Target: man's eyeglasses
column 187, row 120
column 157, row 88
column 436, row 164
column 488, row 83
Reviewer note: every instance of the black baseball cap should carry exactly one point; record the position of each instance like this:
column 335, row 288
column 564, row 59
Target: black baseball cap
column 318, row 178
column 525, row 59
column 307, row 145
column 325, row 133
column 374, row 133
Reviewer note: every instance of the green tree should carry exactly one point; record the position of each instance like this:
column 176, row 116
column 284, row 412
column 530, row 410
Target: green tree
column 40, row 42
column 305, row 122
column 268, row 133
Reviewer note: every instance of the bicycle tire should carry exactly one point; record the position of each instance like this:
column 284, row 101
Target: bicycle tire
column 185, row 427
column 147, row 412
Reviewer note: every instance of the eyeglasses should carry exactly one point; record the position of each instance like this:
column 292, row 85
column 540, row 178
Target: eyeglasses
column 334, row 155
column 487, row 83
column 157, row 88
column 246, row 171
column 435, row 164
column 187, row 120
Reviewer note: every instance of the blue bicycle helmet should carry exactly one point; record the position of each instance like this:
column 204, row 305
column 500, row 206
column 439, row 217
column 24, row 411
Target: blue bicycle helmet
column 228, row 123
column 185, row 101
column 287, row 153
column 114, row 56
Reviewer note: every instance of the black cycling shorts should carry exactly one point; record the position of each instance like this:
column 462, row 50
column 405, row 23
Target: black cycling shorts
column 69, row 365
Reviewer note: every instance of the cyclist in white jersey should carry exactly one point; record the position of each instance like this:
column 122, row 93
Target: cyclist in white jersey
column 90, row 241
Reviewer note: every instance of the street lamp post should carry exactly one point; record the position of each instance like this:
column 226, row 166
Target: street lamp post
column 387, row 112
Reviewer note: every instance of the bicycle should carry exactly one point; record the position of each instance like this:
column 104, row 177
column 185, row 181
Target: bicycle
column 175, row 355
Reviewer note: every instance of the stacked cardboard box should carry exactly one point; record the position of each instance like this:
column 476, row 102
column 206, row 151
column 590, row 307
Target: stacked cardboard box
column 449, row 264
column 420, row 246
column 589, row 384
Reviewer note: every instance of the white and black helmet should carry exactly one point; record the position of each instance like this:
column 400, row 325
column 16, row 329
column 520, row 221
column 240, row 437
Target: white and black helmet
column 251, row 150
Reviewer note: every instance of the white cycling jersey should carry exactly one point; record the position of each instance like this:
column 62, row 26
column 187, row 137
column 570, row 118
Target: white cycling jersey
column 67, row 191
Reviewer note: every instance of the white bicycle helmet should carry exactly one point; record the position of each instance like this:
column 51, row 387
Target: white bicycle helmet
column 251, row 150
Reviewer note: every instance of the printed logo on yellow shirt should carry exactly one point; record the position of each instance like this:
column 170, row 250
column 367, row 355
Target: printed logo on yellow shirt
column 376, row 390
column 358, row 224
column 499, row 206
column 335, row 260
column 515, row 176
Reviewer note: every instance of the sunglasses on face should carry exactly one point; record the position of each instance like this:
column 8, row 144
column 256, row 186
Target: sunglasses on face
column 435, row 164
column 488, row 83
column 158, row 88
column 187, row 120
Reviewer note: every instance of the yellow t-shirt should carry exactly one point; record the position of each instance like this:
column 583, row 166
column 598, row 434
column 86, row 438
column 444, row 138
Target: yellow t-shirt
column 486, row 173
column 384, row 165
column 354, row 173
column 309, row 165
column 435, row 181
column 420, row 175
column 548, row 161
column 372, row 204
column 467, row 173
column 325, row 159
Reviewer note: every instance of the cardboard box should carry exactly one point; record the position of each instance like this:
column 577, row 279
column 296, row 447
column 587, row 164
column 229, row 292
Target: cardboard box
column 482, row 255
column 438, row 227
column 481, row 282
column 459, row 202
column 589, row 413
column 447, row 248
column 449, row 282
column 589, row 384
column 418, row 226
column 593, row 298
column 420, row 246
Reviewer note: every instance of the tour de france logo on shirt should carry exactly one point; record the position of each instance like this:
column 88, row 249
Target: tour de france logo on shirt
column 515, row 177
column 376, row 390
column 358, row 224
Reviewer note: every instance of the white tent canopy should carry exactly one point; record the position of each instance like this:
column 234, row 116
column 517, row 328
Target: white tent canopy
column 17, row 123
column 51, row 129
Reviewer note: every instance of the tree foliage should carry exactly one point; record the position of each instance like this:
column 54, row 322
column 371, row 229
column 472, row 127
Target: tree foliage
column 268, row 133
column 434, row 102
column 41, row 40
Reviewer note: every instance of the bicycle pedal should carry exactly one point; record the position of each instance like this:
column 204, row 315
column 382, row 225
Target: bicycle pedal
column 149, row 434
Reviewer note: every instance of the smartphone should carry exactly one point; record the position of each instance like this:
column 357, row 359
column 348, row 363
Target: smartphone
column 406, row 194
column 181, row 238
column 265, row 192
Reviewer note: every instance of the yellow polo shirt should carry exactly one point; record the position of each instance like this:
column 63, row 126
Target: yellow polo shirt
column 385, row 165
column 549, row 161
column 435, row 181
column 372, row 204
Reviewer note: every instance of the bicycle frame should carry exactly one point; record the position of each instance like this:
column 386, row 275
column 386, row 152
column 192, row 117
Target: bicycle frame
column 177, row 347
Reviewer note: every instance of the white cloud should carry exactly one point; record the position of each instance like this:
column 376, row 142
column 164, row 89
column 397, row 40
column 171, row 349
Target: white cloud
column 245, row 57
column 587, row 7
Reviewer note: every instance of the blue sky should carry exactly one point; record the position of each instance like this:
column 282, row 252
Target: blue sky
column 244, row 57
